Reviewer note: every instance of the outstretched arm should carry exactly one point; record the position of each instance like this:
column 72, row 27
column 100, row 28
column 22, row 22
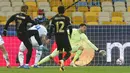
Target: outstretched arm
column 12, row 18
column 103, row 52
column 89, row 42
column 50, row 30
column 7, row 24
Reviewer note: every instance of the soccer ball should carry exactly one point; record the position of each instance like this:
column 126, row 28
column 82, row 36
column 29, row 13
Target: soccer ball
column 119, row 62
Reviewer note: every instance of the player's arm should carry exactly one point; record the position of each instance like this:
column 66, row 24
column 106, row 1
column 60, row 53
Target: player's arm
column 12, row 18
column 31, row 21
column 36, row 20
column 103, row 52
column 44, row 37
column 85, row 38
column 50, row 30
column 70, row 27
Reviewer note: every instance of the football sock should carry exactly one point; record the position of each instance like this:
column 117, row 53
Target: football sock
column 78, row 53
column 67, row 56
column 60, row 55
column 21, row 58
column 6, row 59
column 28, row 56
column 38, row 56
column 47, row 58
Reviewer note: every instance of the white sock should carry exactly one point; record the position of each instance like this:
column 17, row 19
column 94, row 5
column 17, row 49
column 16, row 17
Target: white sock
column 26, row 64
column 38, row 56
column 6, row 59
column 21, row 58
column 62, row 62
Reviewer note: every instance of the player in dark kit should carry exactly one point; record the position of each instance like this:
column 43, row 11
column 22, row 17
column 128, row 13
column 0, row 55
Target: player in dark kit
column 22, row 19
column 61, row 23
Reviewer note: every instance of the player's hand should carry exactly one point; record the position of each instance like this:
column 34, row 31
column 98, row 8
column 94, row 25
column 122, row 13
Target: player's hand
column 47, row 41
column 102, row 52
column 5, row 32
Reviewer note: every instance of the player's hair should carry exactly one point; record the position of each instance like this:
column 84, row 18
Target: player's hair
column 61, row 9
column 24, row 8
column 82, row 25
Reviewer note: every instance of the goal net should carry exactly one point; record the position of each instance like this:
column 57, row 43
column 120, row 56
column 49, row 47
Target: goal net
column 114, row 39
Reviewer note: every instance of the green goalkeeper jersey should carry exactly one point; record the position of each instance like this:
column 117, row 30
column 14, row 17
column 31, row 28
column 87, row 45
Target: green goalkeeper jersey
column 81, row 39
column 76, row 36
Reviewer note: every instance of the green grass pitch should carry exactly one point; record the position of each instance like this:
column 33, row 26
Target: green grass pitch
column 87, row 69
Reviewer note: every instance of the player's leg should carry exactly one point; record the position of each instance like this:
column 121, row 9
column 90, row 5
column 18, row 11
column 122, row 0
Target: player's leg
column 49, row 57
column 67, row 50
column 36, row 35
column 78, row 53
column 37, row 58
column 28, row 44
column 5, row 54
column 25, row 38
column 38, row 53
column 68, row 53
column 60, row 44
column 61, row 60
column 60, row 41
column 22, row 48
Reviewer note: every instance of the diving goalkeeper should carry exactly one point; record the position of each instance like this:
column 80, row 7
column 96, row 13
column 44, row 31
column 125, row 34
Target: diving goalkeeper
column 77, row 38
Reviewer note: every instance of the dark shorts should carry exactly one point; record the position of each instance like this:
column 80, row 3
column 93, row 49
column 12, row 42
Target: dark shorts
column 62, row 42
column 23, row 36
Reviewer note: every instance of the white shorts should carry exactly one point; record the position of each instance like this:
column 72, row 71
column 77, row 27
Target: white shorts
column 1, row 40
column 34, row 44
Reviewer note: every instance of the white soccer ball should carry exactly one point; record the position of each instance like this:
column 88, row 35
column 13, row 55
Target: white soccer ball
column 119, row 62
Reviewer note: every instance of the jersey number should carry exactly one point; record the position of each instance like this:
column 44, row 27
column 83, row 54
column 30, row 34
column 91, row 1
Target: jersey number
column 60, row 29
column 37, row 27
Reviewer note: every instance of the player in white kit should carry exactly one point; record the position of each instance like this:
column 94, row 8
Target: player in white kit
column 42, row 33
column 5, row 54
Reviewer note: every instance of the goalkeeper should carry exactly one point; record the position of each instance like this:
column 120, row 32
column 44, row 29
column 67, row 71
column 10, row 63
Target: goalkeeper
column 78, row 37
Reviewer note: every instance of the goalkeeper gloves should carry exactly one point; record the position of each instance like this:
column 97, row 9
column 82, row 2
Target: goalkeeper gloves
column 102, row 52
column 5, row 32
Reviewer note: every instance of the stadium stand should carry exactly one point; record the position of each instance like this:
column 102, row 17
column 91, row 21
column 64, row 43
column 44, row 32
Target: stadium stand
column 77, row 17
column 42, row 0
column 46, row 9
column 55, row 3
column 43, row 4
column 104, row 8
column 28, row 0
column 5, row 4
column 16, row 0
column 2, row 18
column 4, row 0
column 16, row 4
column 95, row 9
column 50, row 14
column 16, row 9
